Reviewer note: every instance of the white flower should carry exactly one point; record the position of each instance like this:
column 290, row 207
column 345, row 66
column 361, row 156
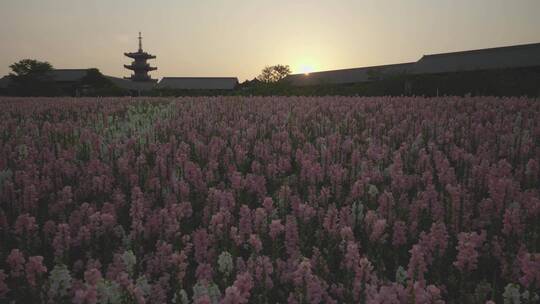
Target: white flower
column 511, row 294
column 401, row 275
column 373, row 191
column 143, row 285
column 225, row 263
column 60, row 281
column 181, row 297
column 109, row 292
column 210, row 289
column 129, row 260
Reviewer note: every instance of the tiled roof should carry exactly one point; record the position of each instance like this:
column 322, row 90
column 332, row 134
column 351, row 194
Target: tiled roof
column 527, row 55
column 68, row 75
column 4, row 82
column 131, row 85
column 345, row 76
column 198, row 83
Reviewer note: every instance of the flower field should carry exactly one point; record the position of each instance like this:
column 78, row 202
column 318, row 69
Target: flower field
column 270, row 200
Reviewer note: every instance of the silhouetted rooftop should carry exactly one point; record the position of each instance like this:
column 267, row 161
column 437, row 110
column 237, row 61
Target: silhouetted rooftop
column 68, row 75
column 518, row 56
column 345, row 76
column 198, row 83
column 131, row 85
column 4, row 82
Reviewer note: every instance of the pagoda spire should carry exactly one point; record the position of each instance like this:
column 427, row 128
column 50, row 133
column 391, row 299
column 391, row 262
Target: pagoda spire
column 140, row 66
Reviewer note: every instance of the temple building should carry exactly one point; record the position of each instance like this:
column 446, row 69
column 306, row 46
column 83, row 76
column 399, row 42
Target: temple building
column 139, row 66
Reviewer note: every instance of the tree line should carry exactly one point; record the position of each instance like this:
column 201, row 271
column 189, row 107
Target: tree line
column 35, row 78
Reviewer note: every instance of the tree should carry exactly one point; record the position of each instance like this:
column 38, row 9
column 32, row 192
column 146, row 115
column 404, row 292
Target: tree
column 273, row 74
column 32, row 78
column 94, row 83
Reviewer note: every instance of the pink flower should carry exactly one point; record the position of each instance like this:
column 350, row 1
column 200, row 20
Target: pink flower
column 276, row 228
column 468, row 245
column 16, row 261
column 86, row 296
column 417, row 263
column 512, row 222
column 352, row 256
column 427, row 295
column 245, row 222
column 204, row 272
column 239, row 293
column 292, row 239
column 34, row 268
column 201, row 244
column 92, row 276
column 25, row 224
column 530, row 268
column 205, row 299
column 62, row 240
column 303, row 277
column 260, row 220
column 268, row 204
column 377, row 234
column 400, row 234
column 255, row 243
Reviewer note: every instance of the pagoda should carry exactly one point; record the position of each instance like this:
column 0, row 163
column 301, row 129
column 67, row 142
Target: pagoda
column 139, row 65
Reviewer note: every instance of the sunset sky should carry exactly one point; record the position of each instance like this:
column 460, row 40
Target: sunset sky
column 239, row 37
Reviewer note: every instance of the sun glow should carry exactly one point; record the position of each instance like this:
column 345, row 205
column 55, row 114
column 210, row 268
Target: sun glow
column 306, row 69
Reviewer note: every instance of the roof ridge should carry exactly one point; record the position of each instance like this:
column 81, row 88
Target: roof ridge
column 196, row 77
column 359, row 68
column 498, row 48
column 85, row 69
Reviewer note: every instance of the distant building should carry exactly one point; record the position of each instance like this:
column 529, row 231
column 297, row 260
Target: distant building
column 4, row 83
column 198, row 83
column 500, row 58
column 139, row 65
column 349, row 76
column 67, row 80
column 509, row 57
column 70, row 79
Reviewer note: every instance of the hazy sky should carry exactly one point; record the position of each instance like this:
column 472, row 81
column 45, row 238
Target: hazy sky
column 239, row 37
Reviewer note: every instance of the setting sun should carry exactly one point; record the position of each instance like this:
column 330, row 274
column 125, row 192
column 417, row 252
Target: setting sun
column 305, row 69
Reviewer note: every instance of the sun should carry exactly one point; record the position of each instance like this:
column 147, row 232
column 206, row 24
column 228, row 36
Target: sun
column 306, row 69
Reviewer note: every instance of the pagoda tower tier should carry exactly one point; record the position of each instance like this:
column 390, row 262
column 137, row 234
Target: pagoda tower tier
column 139, row 65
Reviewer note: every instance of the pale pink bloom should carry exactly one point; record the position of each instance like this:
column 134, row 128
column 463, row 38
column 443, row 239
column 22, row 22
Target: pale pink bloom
column 62, row 240
column 268, row 204
column 417, row 263
column 25, row 224
column 468, row 245
column 255, row 243
column 352, row 256
column 16, row 261
column 34, row 268
column 276, row 228
column 530, row 268
column 92, row 276
column 292, row 239
column 512, row 222
column 205, row 299
column 204, row 272
column 201, row 243
column 245, row 223
column 399, row 236
column 239, row 293
column 377, row 233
